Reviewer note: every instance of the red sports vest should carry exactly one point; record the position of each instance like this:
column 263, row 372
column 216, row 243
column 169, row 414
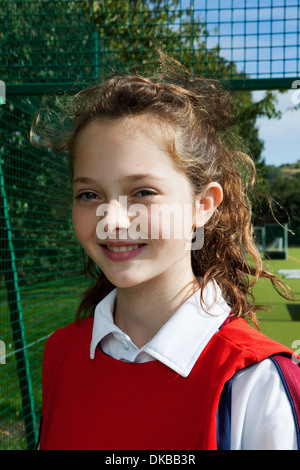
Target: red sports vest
column 109, row 404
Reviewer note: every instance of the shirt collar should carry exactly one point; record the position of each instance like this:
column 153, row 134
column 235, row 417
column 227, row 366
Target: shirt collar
column 182, row 338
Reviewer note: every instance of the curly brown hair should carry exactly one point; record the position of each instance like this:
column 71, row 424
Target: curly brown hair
column 196, row 117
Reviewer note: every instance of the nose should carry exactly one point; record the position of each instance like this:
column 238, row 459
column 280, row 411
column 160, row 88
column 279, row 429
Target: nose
column 114, row 217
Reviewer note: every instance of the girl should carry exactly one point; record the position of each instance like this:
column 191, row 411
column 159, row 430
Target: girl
column 160, row 355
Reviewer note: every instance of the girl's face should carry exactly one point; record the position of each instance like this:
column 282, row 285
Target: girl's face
column 132, row 209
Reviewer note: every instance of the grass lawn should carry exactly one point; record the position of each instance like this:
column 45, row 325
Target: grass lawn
column 283, row 323
column 48, row 307
column 45, row 308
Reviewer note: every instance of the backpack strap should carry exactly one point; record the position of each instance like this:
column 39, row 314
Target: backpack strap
column 289, row 371
column 288, row 368
column 224, row 409
column 224, row 418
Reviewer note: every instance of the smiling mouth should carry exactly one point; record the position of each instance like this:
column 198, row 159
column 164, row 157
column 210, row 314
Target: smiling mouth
column 120, row 248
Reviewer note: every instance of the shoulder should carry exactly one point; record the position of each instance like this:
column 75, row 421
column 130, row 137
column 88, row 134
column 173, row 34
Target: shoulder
column 74, row 333
column 244, row 337
column 262, row 416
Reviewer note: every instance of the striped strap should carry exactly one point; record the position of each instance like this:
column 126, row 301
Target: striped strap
column 289, row 371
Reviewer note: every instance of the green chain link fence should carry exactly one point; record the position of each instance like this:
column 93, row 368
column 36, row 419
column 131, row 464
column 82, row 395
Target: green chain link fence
column 60, row 46
column 39, row 262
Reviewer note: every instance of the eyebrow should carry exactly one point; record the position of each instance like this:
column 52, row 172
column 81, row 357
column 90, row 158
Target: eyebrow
column 130, row 178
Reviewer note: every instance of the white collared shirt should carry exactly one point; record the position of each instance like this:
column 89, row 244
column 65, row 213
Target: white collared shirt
column 261, row 415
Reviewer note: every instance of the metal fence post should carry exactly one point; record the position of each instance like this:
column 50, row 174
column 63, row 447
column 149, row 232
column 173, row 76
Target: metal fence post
column 17, row 324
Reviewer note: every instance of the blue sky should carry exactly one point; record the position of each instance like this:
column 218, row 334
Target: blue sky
column 281, row 136
column 262, row 38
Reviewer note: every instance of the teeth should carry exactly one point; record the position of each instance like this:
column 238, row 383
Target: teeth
column 122, row 248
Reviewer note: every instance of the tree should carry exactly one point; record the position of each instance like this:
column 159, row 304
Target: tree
column 128, row 31
column 286, row 191
column 76, row 41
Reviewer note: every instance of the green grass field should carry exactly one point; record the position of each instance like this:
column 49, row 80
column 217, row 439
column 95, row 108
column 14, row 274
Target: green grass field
column 45, row 308
column 283, row 323
column 48, row 307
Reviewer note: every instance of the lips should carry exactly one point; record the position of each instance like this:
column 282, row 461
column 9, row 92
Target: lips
column 122, row 251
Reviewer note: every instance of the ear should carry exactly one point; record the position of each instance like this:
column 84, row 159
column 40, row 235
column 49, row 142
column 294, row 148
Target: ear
column 207, row 203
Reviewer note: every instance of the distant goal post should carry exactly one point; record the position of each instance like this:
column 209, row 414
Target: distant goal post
column 272, row 240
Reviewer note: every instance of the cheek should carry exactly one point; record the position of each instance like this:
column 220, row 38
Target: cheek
column 84, row 223
column 171, row 222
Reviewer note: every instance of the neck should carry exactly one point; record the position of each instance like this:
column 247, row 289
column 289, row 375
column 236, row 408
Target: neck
column 140, row 311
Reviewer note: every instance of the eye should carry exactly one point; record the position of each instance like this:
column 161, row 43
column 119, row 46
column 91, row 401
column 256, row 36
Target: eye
column 145, row 193
column 87, row 196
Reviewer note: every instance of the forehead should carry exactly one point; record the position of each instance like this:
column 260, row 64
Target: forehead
column 135, row 139
column 116, row 151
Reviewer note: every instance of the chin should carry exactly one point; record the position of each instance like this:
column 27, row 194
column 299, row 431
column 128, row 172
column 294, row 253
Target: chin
column 123, row 280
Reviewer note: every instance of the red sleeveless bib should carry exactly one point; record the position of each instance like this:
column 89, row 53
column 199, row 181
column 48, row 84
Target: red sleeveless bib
column 109, row 404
